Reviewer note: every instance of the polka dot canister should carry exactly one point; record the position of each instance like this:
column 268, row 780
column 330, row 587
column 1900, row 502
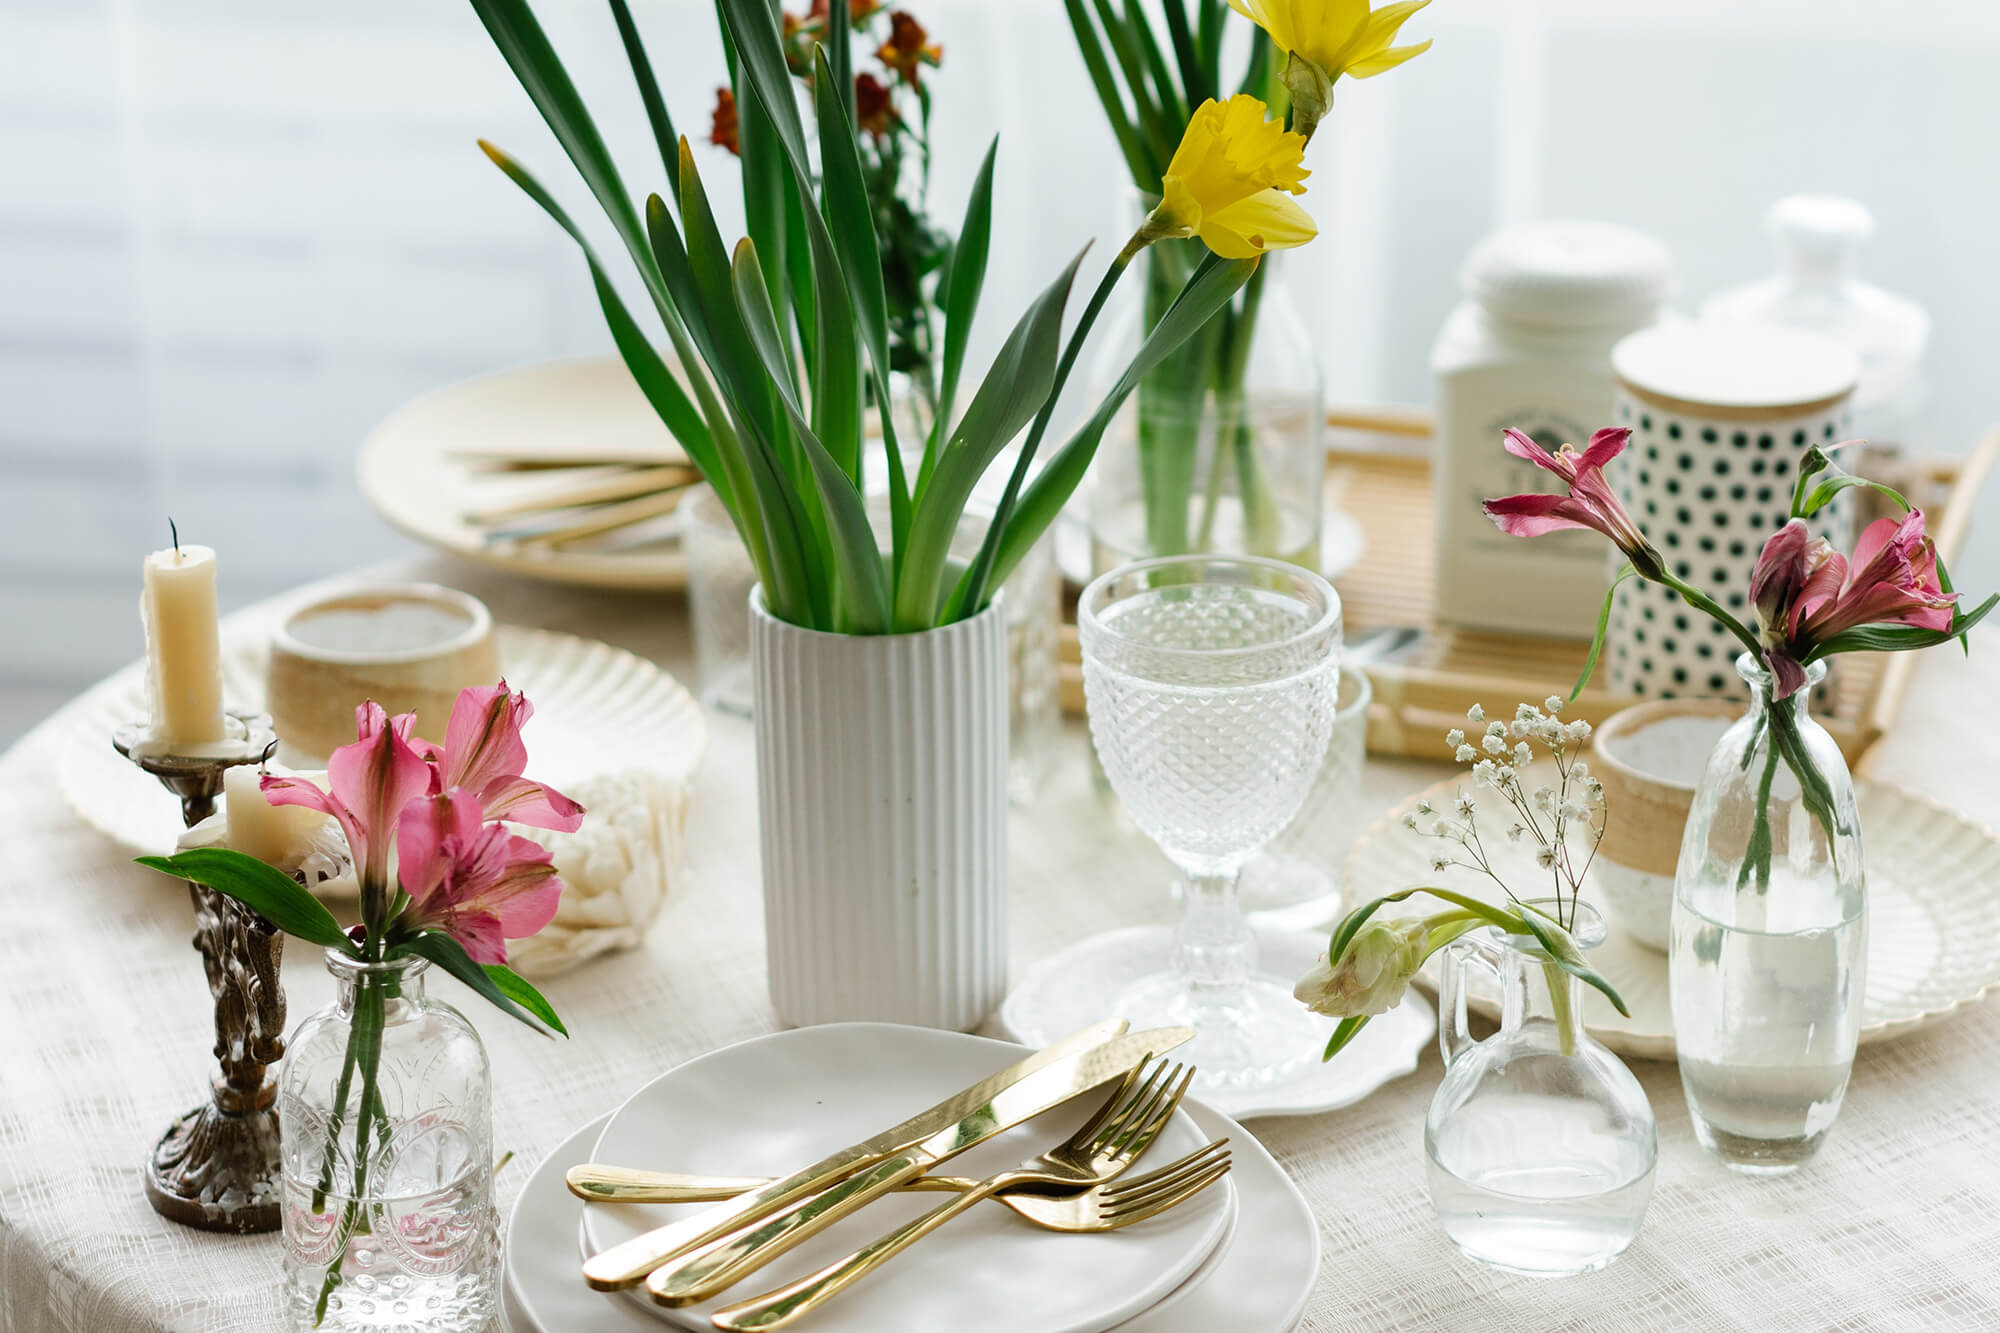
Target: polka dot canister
column 1720, row 419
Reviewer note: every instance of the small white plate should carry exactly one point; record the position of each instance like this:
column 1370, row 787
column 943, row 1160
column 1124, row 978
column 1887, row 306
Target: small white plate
column 775, row 1103
column 1933, row 917
column 598, row 711
column 1059, row 994
column 1256, row 1281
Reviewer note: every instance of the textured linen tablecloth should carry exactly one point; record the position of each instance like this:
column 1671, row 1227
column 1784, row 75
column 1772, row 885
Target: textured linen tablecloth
column 107, row 1031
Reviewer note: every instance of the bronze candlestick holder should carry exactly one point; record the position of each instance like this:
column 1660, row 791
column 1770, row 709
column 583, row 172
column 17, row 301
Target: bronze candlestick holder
column 217, row 1167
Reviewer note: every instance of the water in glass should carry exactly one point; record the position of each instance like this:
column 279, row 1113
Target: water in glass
column 1210, row 684
column 1768, row 970
column 1540, row 1144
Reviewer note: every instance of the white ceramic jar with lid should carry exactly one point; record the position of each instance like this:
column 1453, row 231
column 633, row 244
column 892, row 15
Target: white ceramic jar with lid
column 1818, row 237
column 1530, row 347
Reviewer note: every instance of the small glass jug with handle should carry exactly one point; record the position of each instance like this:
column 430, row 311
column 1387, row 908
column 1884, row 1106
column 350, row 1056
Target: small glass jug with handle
column 1541, row 1144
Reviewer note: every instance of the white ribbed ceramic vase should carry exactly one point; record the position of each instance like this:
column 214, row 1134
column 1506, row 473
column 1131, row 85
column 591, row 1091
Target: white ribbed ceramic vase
column 882, row 803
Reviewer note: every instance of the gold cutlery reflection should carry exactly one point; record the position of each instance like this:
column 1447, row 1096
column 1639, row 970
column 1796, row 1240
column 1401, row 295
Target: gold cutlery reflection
column 1123, row 1128
column 1091, row 1210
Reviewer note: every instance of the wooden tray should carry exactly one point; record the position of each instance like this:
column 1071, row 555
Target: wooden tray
column 1378, row 471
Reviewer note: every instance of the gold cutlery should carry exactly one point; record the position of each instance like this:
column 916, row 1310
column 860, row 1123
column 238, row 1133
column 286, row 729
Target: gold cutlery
column 1104, row 1208
column 1123, row 1128
column 628, row 1263
column 698, row 1273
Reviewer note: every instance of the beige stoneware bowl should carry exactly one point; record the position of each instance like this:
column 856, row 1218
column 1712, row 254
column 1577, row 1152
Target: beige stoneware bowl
column 411, row 647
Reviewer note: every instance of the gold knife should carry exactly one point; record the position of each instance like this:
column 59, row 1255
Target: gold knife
column 720, row 1264
column 628, row 1263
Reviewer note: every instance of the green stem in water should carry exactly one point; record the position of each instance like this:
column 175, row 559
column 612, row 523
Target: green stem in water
column 364, row 1053
column 1757, row 856
column 1560, row 1011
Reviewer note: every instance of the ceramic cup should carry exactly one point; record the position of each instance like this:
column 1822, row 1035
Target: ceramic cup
column 1649, row 758
column 410, row 647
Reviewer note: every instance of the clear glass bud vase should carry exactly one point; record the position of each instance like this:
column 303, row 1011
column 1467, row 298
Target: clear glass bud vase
column 1220, row 449
column 1541, row 1145
column 385, row 1114
column 1768, row 955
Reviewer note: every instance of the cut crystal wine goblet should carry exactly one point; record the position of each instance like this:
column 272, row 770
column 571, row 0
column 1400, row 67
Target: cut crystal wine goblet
column 1211, row 685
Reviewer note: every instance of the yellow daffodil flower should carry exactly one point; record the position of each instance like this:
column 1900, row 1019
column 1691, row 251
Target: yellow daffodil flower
column 1324, row 39
column 1230, row 183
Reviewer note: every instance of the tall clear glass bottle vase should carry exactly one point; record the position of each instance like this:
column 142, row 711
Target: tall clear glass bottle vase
column 1769, row 948
column 1220, row 450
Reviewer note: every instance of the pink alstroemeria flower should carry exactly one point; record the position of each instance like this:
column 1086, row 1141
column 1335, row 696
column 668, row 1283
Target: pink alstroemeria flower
column 1589, row 504
column 371, row 781
column 473, row 880
column 1805, row 592
column 483, row 754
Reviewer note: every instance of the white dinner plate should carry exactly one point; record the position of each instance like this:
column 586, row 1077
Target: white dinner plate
column 1059, row 994
column 1256, row 1281
column 414, row 470
column 773, row 1104
column 1933, row 917
column 598, row 711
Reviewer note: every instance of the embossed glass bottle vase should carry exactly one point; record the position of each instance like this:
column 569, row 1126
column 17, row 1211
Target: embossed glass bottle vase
column 1540, row 1144
column 1769, row 948
column 385, row 1112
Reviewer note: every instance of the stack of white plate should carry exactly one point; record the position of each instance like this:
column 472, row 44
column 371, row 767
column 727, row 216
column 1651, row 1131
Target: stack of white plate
column 1241, row 1255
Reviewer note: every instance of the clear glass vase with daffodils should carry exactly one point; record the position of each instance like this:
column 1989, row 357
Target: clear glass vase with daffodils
column 1529, row 772
column 1222, row 450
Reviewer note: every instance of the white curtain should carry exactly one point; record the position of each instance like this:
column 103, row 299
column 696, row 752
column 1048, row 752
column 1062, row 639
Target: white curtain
column 235, row 234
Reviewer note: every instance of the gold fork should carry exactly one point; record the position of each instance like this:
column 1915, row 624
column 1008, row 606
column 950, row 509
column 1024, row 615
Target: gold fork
column 1092, row 1210
column 1101, row 1148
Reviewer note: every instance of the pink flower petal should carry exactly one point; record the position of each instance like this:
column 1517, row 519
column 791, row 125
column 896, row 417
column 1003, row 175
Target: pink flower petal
column 1522, row 445
column 1604, row 446
column 524, row 801
column 374, row 778
column 483, row 740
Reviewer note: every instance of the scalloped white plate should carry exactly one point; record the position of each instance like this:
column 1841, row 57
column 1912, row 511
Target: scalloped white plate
column 1933, row 918
column 1047, row 1002
column 598, row 710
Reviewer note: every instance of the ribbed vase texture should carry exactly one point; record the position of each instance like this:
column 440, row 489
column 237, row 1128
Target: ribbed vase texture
column 882, row 803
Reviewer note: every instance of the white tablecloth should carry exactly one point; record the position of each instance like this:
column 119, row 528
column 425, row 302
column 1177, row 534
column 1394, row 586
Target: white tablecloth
column 107, row 1030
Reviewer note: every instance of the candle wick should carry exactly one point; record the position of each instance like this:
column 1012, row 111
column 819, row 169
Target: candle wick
column 176, row 532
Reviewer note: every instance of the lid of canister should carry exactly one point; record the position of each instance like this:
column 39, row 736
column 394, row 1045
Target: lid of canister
column 1569, row 273
column 1701, row 366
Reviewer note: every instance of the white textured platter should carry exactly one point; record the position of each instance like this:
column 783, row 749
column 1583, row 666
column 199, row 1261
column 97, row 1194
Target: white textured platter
column 1061, row 993
column 767, row 1105
column 598, row 711
column 1933, row 917
column 410, row 474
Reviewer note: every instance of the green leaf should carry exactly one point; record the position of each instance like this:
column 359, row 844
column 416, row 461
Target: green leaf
column 850, row 219
column 753, row 32
column 1625, row 571
column 1186, row 53
column 1344, row 1032
column 1823, row 494
column 962, row 285
column 853, row 546
column 1146, row 170
column 510, row 994
column 1173, row 104
column 1208, row 289
column 1558, row 944
column 664, row 137
column 1162, row 136
column 1901, row 638
column 517, row 988
column 1350, row 925
column 270, row 893
column 1016, row 386
column 767, row 183
column 526, row 49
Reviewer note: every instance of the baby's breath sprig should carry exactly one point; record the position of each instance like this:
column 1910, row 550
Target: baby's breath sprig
column 1553, row 816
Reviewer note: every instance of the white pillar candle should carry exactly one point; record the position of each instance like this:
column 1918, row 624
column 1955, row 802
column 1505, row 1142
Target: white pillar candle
column 183, row 645
column 275, row 834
